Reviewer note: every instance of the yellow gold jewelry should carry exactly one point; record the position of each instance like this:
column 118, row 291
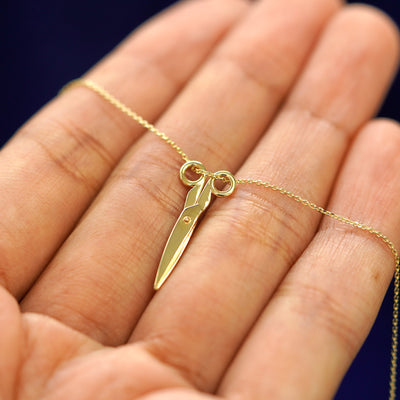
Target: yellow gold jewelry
column 197, row 200
column 199, row 197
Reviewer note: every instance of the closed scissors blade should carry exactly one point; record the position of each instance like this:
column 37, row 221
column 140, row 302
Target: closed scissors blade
column 182, row 231
column 197, row 200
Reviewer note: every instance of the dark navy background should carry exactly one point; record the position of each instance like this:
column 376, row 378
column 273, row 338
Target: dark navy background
column 46, row 43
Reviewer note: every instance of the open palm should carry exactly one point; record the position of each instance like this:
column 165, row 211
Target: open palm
column 270, row 300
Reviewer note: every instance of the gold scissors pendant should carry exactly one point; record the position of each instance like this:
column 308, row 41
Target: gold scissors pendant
column 197, row 200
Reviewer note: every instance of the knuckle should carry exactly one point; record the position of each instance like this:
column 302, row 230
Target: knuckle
column 78, row 145
column 315, row 120
column 164, row 346
column 208, row 141
column 83, row 319
column 324, row 311
column 268, row 220
column 136, row 177
column 254, row 72
column 156, row 67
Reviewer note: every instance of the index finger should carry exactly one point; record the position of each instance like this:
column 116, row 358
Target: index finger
column 53, row 168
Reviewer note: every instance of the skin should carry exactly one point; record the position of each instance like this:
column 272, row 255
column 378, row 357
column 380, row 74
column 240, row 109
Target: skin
column 282, row 91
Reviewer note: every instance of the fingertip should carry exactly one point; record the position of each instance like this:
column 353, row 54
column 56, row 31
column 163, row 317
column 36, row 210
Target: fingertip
column 371, row 12
column 385, row 126
column 210, row 7
column 374, row 22
column 382, row 135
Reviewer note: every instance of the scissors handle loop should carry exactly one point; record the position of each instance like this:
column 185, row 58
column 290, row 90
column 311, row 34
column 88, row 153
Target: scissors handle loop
column 220, row 175
column 223, row 175
column 194, row 165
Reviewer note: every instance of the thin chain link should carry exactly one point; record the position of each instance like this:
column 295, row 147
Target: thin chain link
column 126, row 110
column 395, row 321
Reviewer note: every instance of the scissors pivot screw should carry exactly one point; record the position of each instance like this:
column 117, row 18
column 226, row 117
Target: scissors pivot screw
column 187, row 220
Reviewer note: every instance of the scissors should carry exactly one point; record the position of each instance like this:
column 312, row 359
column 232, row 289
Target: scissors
column 197, row 200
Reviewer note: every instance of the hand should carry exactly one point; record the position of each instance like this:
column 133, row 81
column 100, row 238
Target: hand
column 269, row 300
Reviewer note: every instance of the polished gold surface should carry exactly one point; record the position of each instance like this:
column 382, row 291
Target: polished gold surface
column 199, row 198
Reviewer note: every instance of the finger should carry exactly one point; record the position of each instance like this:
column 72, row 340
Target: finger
column 218, row 118
column 325, row 307
column 123, row 373
column 55, row 165
column 32, row 347
column 179, row 394
column 11, row 337
column 247, row 243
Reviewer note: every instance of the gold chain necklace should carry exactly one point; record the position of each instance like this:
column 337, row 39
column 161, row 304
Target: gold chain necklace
column 199, row 198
